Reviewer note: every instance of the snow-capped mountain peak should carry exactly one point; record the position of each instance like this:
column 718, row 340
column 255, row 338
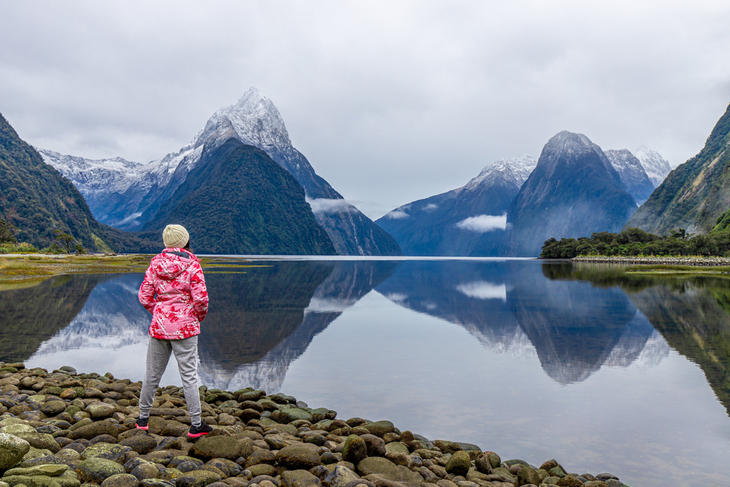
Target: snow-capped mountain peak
column 655, row 165
column 255, row 120
column 515, row 170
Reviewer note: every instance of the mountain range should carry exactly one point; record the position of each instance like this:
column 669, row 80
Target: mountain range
column 632, row 173
column 128, row 195
column 574, row 189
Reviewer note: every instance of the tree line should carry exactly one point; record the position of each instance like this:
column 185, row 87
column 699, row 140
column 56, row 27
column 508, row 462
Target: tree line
column 63, row 243
column 637, row 242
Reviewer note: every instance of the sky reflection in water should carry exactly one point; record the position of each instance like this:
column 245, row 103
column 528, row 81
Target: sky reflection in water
column 531, row 360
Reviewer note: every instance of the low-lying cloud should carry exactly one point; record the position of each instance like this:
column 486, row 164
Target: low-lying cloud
column 430, row 207
column 483, row 223
column 483, row 290
column 326, row 205
column 397, row 215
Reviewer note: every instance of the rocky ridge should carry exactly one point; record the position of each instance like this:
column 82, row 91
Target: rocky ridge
column 64, row 429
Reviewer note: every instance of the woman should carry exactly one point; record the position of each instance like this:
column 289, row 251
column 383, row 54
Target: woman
column 174, row 292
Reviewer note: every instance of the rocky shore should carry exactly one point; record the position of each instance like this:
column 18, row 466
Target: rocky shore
column 64, row 429
column 689, row 261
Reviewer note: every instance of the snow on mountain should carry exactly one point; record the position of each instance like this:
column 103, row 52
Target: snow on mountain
column 255, row 120
column 94, row 176
column 127, row 195
column 655, row 165
column 515, row 170
column 632, row 174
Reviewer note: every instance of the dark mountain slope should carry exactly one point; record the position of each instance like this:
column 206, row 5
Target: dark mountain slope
column 573, row 192
column 695, row 194
column 38, row 200
column 239, row 201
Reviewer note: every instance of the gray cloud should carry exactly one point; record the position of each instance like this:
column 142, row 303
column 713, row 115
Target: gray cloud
column 390, row 101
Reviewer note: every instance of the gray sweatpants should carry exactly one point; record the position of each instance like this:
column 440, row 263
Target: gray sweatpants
column 158, row 355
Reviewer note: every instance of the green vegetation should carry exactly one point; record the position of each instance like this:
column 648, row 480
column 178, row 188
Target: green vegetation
column 694, row 194
column 37, row 204
column 239, row 201
column 20, row 271
column 637, row 242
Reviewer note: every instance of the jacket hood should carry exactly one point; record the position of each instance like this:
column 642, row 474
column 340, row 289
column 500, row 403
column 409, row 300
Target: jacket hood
column 171, row 262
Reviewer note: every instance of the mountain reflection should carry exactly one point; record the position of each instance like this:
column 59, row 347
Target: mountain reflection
column 573, row 327
column 470, row 294
column 259, row 322
column 575, row 319
column 270, row 318
column 691, row 313
column 30, row 316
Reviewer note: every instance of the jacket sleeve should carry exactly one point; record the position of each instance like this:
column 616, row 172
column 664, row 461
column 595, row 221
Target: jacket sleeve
column 146, row 293
column 199, row 292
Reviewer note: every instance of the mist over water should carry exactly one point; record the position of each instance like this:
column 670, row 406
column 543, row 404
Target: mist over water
column 532, row 360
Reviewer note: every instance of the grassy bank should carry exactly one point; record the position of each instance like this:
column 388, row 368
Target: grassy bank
column 30, row 269
column 663, row 265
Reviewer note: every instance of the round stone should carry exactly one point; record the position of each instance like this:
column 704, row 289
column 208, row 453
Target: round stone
column 146, row 471
column 197, row 478
column 300, row 456
column 115, row 453
column 12, row 449
column 217, row 447
column 97, row 470
column 100, row 410
column 53, row 408
column 121, row 480
column 299, row 478
column 142, row 444
column 354, row 450
column 459, row 463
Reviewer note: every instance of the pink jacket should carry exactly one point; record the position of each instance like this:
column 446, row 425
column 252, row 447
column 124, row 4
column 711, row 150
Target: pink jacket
column 181, row 300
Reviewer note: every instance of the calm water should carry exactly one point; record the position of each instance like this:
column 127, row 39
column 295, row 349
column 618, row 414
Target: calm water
column 532, row 360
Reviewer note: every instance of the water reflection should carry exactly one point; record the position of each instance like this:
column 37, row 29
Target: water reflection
column 30, row 316
column 274, row 317
column 691, row 313
column 543, row 360
column 472, row 295
column 259, row 322
column 575, row 319
column 573, row 327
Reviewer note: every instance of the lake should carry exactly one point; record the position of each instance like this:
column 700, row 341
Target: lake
column 534, row 360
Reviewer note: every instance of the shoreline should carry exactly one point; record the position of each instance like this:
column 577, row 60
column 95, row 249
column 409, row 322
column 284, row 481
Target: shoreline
column 65, row 429
column 682, row 261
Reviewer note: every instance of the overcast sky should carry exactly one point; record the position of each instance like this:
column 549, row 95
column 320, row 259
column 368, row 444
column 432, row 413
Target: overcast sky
column 391, row 101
